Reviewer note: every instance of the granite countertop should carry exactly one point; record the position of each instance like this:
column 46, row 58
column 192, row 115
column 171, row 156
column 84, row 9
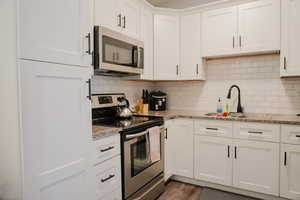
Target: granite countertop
column 102, row 130
column 249, row 117
column 172, row 114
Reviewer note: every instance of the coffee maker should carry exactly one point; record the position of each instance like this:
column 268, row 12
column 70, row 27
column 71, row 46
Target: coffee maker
column 158, row 101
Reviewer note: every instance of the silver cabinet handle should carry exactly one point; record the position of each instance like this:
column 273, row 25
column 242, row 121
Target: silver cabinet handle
column 177, row 70
column 119, row 20
column 212, row 129
column 124, row 21
column 108, row 178
column 255, row 132
column 89, row 82
column 89, row 43
column 107, row 149
column 240, row 40
column 197, row 69
column 284, row 63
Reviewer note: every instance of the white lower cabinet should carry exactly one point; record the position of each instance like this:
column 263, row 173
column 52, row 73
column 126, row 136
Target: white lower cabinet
column 179, row 148
column 256, row 166
column 213, row 161
column 168, row 150
column 290, row 171
column 108, row 179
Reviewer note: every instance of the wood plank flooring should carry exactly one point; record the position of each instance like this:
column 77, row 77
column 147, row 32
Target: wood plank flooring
column 180, row 191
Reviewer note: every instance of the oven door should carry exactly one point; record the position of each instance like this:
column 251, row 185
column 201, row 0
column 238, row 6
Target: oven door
column 138, row 167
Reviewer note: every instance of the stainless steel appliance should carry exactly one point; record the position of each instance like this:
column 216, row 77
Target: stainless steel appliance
column 158, row 101
column 142, row 178
column 116, row 54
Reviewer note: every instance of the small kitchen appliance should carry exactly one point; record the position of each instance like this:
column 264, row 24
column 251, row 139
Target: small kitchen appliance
column 116, row 54
column 158, row 101
column 142, row 176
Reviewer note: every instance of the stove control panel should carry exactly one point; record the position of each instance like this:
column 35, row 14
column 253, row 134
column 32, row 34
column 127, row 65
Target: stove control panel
column 107, row 100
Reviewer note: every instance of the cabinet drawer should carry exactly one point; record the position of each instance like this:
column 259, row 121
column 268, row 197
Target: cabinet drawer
column 106, row 148
column 213, row 128
column 108, row 177
column 290, row 134
column 257, row 131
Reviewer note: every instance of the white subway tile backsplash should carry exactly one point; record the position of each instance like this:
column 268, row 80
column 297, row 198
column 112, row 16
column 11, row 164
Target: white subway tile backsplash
column 262, row 90
column 258, row 77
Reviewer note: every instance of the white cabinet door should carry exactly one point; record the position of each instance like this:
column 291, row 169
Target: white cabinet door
column 213, row 162
column 147, row 38
column 182, row 142
column 219, row 32
column 57, row 31
column 56, row 131
column 130, row 10
column 169, row 155
column 256, row 166
column 191, row 60
column 166, row 47
column 290, row 171
column 290, row 41
column 259, row 26
column 107, row 14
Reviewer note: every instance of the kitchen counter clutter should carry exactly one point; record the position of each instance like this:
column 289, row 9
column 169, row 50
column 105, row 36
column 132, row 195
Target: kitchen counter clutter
column 248, row 117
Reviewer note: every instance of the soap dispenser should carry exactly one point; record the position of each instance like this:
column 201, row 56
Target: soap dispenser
column 219, row 107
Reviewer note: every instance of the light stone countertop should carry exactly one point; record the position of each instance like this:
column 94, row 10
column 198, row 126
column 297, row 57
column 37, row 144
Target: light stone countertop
column 250, row 117
column 172, row 114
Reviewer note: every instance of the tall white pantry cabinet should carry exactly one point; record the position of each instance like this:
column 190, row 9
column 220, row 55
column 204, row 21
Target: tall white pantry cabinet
column 55, row 68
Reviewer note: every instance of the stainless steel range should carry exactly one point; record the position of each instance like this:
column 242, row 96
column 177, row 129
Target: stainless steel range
column 142, row 142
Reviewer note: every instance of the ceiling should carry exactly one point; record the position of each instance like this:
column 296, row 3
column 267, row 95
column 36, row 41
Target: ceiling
column 179, row 3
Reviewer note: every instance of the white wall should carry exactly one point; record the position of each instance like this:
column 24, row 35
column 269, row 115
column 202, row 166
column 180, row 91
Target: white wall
column 258, row 77
column 9, row 141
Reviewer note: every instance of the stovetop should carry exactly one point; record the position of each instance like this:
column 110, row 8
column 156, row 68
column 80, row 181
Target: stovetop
column 130, row 124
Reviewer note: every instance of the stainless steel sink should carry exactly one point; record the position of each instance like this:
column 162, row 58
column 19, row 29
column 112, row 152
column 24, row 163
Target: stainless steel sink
column 233, row 115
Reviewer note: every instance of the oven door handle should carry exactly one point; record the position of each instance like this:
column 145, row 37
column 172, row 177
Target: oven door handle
column 137, row 135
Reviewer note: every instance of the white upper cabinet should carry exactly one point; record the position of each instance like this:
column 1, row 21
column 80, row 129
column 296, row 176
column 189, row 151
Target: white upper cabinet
column 130, row 10
column 166, row 47
column 147, row 38
column 119, row 15
column 107, row 14
column 256, row 166
column 290, row 41
column 219, row 32
column 191, row 67
column 56, row 131
column 259, row 26
column 58, row 31
column 246, row 29
column 290, row 173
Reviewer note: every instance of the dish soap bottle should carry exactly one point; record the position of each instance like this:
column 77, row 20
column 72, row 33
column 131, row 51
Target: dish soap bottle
column 219, row 107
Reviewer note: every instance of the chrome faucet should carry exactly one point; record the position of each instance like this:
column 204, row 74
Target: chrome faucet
column 239, row 107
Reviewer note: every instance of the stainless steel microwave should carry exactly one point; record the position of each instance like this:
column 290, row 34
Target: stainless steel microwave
column 116, row 53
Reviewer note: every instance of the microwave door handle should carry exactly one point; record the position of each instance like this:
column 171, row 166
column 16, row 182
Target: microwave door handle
column 136, row 135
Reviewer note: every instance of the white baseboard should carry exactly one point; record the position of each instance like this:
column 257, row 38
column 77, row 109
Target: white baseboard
column 226, row 188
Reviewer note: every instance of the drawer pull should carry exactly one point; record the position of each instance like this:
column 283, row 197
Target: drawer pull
column 297, row 136
column 108, row 178
column 255, row 132
column 228, row 151
column 235, row 152
column 107, row 149
column 212, row 129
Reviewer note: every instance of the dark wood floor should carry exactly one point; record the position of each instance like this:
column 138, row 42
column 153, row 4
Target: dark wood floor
column 180, row 191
